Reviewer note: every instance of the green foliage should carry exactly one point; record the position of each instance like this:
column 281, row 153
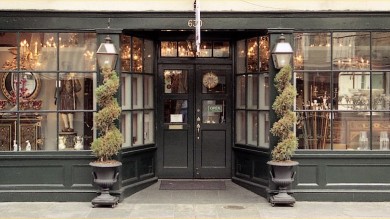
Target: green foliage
column 283, row 128
column 110, row 140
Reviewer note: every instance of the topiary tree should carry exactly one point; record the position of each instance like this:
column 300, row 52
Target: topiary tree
column 283, row 105
column 110, row 138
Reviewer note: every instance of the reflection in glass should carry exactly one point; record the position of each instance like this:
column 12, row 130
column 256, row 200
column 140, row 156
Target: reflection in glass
column 148, row 127
column 240, row 126
column 125, row 128
column 351, row 50
column 264, row 53
column 148, row 56
column 312, row 51
column 240, row 92
column 252, row 55
column 126, row 90
column 221, row 49
column 175, row 111
column 137, row 128
column 186, row 49
column 77, row 51
column 137, row 55
column 252, row 128
column 380, row 50
column 253, row 91
column 213, row 111
column 137, row 91
column 168, row 49
column 125, row 52
column 264, row 128
column 148, row 92
column 206, row 49
column 241, row 56
column 264, row 91
column 175, row 81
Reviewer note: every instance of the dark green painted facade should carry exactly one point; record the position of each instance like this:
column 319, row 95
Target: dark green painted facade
column 321, row 175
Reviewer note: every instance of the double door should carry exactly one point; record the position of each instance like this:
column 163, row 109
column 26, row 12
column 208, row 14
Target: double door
column 194, row 121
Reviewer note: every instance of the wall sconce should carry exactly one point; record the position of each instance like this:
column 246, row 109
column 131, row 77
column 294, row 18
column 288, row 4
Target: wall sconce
column 282, row 53
column 107, row 54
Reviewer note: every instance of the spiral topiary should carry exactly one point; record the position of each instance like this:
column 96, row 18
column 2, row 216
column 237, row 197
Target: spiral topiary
column 283, row 105
column 110, row 138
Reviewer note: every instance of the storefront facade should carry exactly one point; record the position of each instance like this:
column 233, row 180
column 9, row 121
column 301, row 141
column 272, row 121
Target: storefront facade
column 194, row 117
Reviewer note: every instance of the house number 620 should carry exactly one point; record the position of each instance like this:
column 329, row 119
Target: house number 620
column 193, row 23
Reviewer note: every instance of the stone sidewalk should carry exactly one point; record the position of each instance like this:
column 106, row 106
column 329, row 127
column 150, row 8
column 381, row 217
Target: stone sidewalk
column 234, row 202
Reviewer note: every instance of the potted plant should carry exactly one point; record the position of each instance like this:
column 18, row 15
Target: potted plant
column 110, row 139
column 281, row 164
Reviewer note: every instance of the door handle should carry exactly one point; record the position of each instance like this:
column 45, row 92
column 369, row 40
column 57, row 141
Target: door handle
column 198, row 130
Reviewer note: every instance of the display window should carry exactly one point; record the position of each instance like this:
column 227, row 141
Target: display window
column 343, row 90
column 47, row 90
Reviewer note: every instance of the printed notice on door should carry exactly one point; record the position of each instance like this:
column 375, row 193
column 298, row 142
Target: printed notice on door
column 176, row 118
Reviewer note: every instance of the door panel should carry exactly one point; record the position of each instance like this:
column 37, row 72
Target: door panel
column 194, row 121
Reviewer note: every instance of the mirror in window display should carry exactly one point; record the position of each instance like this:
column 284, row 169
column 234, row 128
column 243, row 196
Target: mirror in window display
column 137, row 55
column 175, row 81
column 351, row 50
column 252, row 55
column 240, row 127
column 125, row 52
column 312, row 51
column 175, row 111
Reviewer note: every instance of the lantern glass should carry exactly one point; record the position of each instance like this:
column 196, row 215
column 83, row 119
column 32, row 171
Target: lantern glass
column 282, row 53
column 107, row 54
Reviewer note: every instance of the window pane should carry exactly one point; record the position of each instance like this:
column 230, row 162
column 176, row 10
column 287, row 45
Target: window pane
column 126, row 91
column 252, row 55
column 125, row 52
column 137, row 91
column 213, row 111
column 186, row 49
column 354, row 91
column 213, row 81
column 148, row 56
column 148, row 92
column 351, row 50
column 137, row 128
column 77, row 51
column 380, row 50
column 149, row 127
column 314, row 129
column 137, row 56
column 175, row 111
column 240, row 89
column 240, row 127
column 221, row 49
column 241, row 56
column 168, row 49
column 206, row 49
column 264, row 127
column 312, row 51
column 253, row 128
column 175, row 81
column 358, row 135
column 75, row 91
column 126, row 129
column 264, row 53
column 264, row 91
column 253, row 91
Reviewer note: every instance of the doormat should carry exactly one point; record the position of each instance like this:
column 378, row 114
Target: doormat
column 192, row 185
